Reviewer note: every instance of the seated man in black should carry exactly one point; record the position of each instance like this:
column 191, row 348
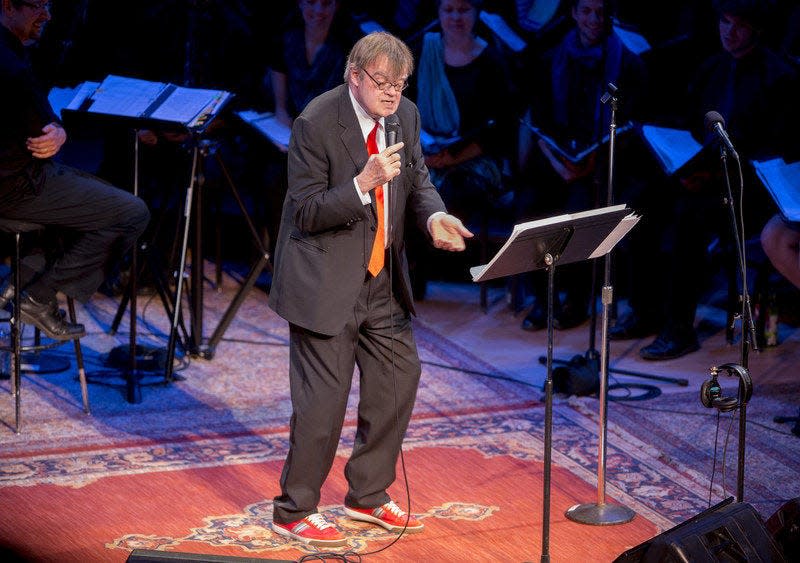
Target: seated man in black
column 99, row 220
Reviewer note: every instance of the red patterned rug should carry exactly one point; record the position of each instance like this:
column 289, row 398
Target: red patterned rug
column 194, row 466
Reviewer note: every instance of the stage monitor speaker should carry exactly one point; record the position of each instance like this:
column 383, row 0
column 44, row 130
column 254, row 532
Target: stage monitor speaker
column 727, row 531
column 154, row 556
column 784, row 527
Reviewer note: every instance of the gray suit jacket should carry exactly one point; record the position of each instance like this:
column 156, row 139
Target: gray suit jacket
column 326, row 232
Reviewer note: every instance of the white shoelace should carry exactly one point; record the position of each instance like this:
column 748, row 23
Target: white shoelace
column 392, row 507
column 318, row 521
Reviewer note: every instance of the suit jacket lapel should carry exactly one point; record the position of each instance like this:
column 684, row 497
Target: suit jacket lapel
column 351, row 135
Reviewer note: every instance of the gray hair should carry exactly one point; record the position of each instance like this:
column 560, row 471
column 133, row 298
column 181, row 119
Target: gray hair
column 377, row 44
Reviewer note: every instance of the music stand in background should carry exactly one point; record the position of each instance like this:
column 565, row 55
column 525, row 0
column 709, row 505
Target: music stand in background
column 141, row 104
column 201, row 150
column 545, row 244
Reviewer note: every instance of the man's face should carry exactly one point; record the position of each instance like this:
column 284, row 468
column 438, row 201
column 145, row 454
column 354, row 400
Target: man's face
column 378, row 101
column 27, row 19
column 737, row 35
column 590, row 19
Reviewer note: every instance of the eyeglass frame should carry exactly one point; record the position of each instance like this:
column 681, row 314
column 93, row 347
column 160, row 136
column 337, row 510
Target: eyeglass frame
column 384, row 86
column 41, row 7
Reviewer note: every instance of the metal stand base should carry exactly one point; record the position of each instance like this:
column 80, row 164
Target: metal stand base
column 39, row 364
column 795, row 419
column 43, row 363
column 600, row 514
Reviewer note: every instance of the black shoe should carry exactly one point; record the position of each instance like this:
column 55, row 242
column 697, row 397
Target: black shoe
column 570, row 316
column 632, row 326
column 47, row 318
column 535, row 319
column 668, row 347
column 7, row 297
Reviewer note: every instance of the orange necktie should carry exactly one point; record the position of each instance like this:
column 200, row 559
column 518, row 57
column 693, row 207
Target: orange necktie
column 378, row 247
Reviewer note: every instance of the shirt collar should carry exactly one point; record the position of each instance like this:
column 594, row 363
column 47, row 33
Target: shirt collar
column 364, row 120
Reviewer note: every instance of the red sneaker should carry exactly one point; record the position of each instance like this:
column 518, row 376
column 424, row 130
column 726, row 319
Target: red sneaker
column 314, row 529
column 389, row 515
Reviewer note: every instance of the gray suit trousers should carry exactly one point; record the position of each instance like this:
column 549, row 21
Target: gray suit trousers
column 379, row 340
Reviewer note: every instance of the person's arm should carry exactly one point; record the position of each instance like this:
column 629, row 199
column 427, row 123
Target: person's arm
column 566, row 169
column 384, row 164
column 445, row 158
column 319, row 204
column 280, row 93
column 781, row 243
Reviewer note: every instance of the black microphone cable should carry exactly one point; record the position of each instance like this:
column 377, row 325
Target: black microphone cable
column 391, row 138
column 350, row 556
column 715, row 123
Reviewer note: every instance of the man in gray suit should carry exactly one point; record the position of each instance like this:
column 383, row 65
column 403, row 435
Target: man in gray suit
column 341, row 280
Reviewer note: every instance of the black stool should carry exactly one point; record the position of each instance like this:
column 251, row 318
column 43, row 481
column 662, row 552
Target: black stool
column 17, row 228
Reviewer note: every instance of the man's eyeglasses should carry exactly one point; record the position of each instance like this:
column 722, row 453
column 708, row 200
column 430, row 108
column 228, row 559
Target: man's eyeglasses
column 384, row 86
column 37, row 6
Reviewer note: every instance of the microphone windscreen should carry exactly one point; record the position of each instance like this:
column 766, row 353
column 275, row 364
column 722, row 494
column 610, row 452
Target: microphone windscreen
column 712, row 118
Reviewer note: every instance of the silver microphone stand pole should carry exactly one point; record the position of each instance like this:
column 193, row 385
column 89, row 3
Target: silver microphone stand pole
column 601, row 513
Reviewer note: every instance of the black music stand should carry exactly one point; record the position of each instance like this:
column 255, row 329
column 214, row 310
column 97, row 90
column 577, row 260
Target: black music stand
column 201, row 150
column 141, row 104
column 547, row 243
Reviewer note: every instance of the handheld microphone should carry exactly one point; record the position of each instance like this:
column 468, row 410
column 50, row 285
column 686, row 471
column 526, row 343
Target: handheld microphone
column 715, row 123
column 392, row 125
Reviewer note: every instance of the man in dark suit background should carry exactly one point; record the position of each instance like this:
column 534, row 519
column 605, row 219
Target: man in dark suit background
column 97, row 222
column 346, row 303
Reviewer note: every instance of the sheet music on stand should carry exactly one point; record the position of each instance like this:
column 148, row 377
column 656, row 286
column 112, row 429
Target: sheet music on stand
column 432, row 144
column 268, row 125
column 593, row 233
column 673, row 148
column 782, row 181
column 156, row 102
column 141, row 104
column 62, row 98
column 577, row 155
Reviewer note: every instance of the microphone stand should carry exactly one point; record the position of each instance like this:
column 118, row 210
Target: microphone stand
column 601, row 513
column 593, row 358
column 748, row 326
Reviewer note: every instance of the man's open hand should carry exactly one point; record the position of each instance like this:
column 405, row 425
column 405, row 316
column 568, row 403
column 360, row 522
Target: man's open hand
column 448, row 233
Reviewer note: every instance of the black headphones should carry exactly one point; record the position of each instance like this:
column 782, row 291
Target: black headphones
column 711, row 392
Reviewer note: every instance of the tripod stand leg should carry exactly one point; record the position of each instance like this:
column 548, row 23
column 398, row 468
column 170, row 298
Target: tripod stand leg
column 255, row 270
column 676, row 380
column 187, row 212
column 123, row 305
column 162, row 285
column 233, row 308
